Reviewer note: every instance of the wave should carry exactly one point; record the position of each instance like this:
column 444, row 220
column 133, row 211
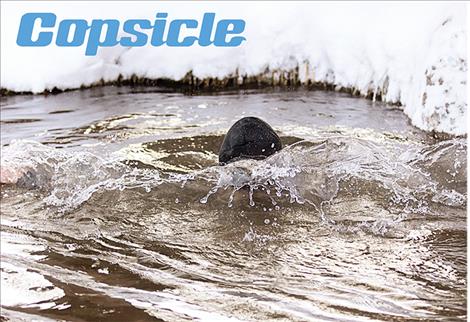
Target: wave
column 400, row 178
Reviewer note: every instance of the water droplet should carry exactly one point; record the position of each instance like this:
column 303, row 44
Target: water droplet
column 252, row 203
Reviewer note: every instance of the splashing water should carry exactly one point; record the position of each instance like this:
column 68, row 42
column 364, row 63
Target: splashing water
column 124, row 213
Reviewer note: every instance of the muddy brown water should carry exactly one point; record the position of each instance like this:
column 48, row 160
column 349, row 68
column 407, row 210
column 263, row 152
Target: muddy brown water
column 121, row 212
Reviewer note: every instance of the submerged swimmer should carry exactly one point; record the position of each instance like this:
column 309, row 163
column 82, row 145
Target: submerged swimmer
column 249, row 138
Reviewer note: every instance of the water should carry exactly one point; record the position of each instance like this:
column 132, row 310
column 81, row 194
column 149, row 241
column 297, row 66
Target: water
column 122, row 213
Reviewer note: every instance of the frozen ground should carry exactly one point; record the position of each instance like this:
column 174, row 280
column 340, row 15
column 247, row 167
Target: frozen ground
column 414, row 54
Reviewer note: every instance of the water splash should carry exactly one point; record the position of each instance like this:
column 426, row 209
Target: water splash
column 404, row 179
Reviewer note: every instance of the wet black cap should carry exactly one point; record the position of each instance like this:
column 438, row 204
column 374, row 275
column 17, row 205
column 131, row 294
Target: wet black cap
column 249, row 138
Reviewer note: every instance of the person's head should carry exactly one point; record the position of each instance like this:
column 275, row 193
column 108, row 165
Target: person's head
column 249, row 138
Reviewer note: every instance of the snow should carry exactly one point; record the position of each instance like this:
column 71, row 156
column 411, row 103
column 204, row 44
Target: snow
column 408, row 53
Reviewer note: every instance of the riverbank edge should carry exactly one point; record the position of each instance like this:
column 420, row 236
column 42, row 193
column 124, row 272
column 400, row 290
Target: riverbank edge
column 191, row 85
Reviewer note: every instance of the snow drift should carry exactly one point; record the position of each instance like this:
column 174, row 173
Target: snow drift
column 413, row 54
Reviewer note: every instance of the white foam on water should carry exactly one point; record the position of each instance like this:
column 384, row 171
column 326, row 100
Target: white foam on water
column 308, row 172
column 21, row 286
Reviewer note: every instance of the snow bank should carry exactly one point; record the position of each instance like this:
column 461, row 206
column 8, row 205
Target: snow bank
column 414, row 54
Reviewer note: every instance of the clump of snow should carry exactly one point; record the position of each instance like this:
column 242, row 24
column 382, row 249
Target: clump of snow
column 413, row 54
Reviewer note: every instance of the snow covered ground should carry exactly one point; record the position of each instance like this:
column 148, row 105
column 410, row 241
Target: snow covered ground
column 414, row 53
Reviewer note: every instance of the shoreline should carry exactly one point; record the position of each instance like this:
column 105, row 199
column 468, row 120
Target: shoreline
column 191, row 85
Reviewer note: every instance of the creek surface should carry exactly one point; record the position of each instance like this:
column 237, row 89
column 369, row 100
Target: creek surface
column 122, row 213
